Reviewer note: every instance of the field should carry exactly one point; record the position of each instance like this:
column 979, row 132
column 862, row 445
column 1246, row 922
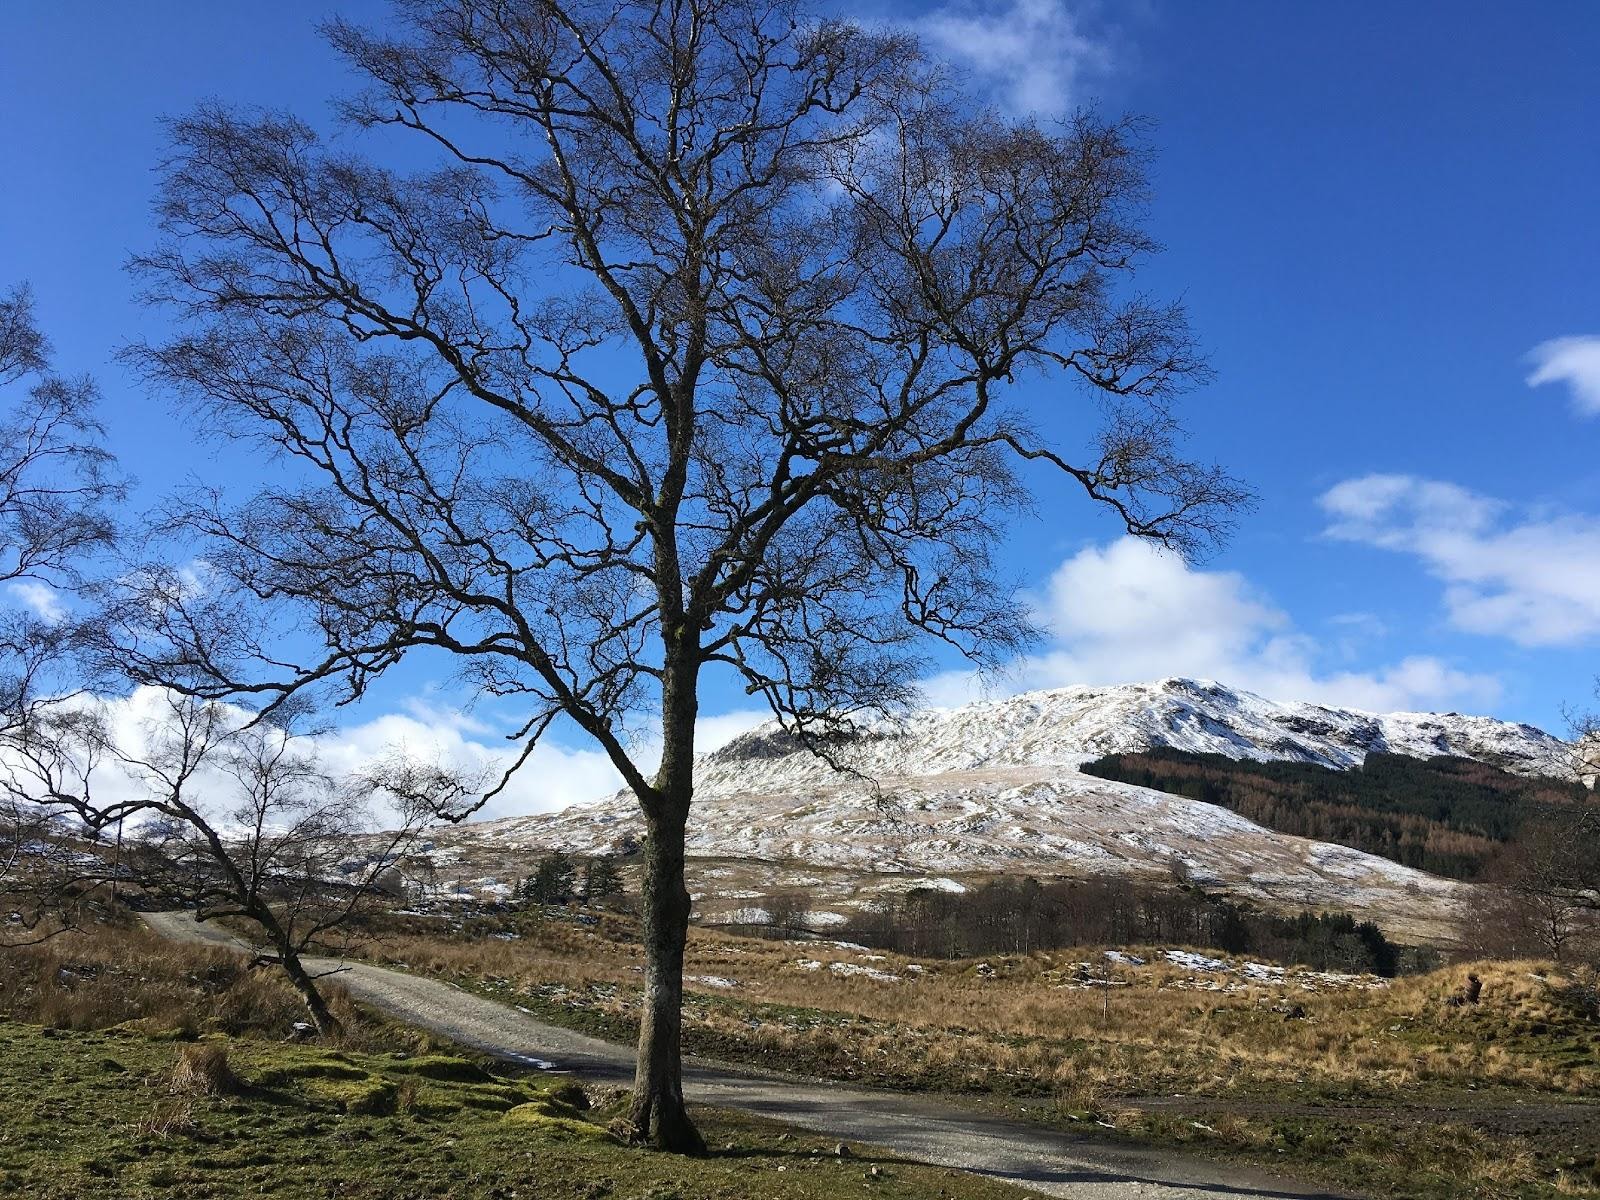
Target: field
column 123, row 1117
column 1385, row 1086
column 192, row 1094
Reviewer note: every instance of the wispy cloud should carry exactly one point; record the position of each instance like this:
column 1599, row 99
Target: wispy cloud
column 1574, row 361
column 1034, row 56
column 40, row 599
column 1129, row 612
column 1532, row 578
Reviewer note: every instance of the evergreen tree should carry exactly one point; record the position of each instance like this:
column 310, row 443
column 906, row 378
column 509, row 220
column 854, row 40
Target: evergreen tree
column 553, row 880
column 601, row 878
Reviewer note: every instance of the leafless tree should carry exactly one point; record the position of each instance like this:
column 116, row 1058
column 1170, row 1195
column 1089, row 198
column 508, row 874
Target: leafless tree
column 1545, row 888
column 56, row 482
column 54, row 474
column 230, row 816
column 695, row 347
column 787, row 912
column 1549, row 878
column 1583, row 738
column 1542, row 891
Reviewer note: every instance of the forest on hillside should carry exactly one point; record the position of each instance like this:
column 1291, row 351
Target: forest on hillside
column 1449, row 816
column 1018, row 916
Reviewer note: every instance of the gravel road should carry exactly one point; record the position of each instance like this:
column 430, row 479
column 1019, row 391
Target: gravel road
column 1056, row 1164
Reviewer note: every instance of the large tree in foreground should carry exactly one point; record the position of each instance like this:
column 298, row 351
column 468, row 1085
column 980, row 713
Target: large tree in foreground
column 687, row 350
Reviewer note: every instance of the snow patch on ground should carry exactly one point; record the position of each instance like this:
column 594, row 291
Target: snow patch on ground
column 712, row 981
column 1210, row 973
column 1190, row 961
column 857, row 969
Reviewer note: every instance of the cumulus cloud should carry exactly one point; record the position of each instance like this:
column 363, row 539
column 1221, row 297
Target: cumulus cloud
column 1130, row 612
column 556, row 775
column 1033, row 55
column 40, row 599
column 1574, row 361
column 1532, row 578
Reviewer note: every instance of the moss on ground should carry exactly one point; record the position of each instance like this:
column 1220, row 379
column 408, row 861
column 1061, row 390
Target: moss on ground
column 92, row 1115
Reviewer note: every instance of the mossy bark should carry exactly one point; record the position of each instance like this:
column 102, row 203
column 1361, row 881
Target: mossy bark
column 659, row 1114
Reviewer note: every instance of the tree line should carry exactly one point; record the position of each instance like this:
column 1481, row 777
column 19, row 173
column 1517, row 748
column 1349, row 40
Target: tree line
column 1018, row 916
column 1448, row 816
column 1531, row 844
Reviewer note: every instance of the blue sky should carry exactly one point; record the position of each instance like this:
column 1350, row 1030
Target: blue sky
column 1383, row 219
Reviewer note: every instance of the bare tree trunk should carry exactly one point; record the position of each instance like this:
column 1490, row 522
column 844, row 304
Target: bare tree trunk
column 659, row 1114
column 328, row 1025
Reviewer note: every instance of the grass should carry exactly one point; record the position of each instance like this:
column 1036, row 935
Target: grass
column 1051, row 1024
column 1380, row 1087
column 115, row 1113
column 1383, row 1090
column 112, row 974
column 1425, row 1161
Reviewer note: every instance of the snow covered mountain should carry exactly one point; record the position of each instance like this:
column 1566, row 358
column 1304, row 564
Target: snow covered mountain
column 994, row 786
column 1067, row 727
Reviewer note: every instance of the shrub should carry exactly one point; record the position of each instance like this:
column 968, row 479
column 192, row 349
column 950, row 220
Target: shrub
column 167, row 1119
column 202, row 1070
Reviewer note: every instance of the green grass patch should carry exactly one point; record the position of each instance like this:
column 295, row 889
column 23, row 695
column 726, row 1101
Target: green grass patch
column 92, row 1116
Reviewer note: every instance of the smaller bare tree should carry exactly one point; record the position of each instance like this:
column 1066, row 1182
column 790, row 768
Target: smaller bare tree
column 787, row 912
column 232, row 817
column 55, row 476
column 55, row 483
column 1583, row 730
column 1544, row 893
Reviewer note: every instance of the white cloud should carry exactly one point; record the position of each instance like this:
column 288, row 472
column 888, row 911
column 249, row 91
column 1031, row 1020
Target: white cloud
column 1574, row 361
column 1033, row 54
column 40, row 599
column 1533, row 578
column 713, row 733
column 555, row 775
column 1129, row 612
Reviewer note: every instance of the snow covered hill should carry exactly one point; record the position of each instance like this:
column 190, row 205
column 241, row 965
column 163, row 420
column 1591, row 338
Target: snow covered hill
column 994, row 786
column 1067, row 727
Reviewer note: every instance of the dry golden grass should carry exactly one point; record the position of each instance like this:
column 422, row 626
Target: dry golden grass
column 202, row 1070
column 1031, row 1024
column 105, row 976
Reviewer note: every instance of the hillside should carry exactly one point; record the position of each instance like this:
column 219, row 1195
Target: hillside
column 995, row 787
column 1066, row 727
column 1449, row 816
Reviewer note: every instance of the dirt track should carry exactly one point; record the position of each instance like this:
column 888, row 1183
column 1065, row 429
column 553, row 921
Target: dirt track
column 1056, row 1164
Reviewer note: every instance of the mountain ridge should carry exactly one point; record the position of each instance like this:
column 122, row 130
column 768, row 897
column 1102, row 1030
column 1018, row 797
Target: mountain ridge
column 1068, row 726
column 994, row 786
